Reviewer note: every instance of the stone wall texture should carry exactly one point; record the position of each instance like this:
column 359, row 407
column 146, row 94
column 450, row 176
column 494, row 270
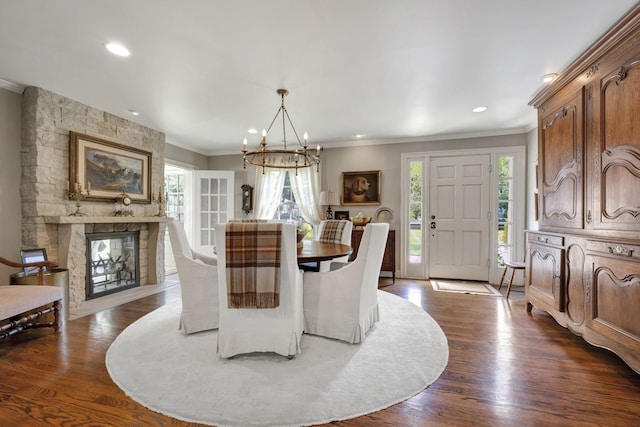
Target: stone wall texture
column 47, row 119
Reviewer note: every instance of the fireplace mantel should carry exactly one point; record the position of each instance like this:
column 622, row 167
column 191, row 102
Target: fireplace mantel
column 104, row 219
column 71, row 232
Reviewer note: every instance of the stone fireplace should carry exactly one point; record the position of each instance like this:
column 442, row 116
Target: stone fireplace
column 72, row 232
column 47, row 119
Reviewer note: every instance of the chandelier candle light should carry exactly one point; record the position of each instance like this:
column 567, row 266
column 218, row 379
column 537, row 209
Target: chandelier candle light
column 284, row 158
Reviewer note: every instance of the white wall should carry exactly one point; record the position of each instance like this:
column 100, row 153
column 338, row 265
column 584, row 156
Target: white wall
column 184, row 156
column 10, row 172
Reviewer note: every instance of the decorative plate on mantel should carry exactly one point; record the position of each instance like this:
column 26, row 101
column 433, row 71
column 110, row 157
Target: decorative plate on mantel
column 385, row 215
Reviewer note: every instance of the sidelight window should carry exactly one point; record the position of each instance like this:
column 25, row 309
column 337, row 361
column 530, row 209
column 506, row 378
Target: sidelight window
column 504, row 223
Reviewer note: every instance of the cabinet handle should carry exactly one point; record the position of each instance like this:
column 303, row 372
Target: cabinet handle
column 620, row 250
column 543, row 239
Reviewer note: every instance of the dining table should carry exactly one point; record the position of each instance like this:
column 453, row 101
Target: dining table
column 315, row 251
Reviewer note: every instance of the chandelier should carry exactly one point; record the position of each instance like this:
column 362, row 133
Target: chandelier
column 286, row 157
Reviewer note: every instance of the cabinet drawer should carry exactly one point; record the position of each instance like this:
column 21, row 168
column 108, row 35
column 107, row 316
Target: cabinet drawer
column 614, row 248
column 549, row 239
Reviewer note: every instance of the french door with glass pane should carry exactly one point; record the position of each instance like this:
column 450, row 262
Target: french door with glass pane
column 175, row 186
column 213, row 205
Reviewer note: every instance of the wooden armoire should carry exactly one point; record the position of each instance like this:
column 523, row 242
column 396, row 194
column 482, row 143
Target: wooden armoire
column 583, row 265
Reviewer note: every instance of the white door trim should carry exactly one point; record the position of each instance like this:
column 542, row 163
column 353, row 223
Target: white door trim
column 519, row 153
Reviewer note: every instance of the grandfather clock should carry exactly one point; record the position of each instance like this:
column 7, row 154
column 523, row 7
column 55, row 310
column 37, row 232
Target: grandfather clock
column 247, row 198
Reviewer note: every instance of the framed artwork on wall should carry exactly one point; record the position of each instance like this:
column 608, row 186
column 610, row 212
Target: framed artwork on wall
column 360, row 188
column 108, row 169
column 342, row 215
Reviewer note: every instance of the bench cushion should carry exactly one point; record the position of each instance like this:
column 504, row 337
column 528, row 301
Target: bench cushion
column 17, row 299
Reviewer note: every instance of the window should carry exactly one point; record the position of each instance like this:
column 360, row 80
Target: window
column 174, row 179
column 504, row 224
column 288, row 209
column 415, row 212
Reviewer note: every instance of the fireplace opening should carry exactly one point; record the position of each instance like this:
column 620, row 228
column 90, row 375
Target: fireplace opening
column 113, row 263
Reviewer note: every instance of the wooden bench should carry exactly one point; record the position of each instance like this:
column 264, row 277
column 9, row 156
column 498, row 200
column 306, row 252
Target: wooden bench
column 23, row 307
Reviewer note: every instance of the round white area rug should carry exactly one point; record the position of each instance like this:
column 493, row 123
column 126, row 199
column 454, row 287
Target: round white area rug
column 183, row 377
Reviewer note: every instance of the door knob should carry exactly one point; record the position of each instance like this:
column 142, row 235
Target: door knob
column 433, row 225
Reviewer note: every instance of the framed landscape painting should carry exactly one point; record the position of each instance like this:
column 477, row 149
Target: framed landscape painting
column 109, row 169
column 360, row 188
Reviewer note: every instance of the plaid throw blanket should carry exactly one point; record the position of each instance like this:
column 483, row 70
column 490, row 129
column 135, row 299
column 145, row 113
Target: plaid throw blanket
column 253, row 264
column 332, row 231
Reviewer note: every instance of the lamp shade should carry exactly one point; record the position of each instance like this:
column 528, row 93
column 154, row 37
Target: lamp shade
column 328, row 198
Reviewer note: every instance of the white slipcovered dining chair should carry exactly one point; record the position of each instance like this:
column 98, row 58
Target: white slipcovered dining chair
column 326, row 233
column 248, row 330
column 198, row 274
column 343, row 304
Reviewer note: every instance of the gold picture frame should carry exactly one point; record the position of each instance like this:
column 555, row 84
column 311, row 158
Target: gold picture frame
column 108, row 169
column 360, row 188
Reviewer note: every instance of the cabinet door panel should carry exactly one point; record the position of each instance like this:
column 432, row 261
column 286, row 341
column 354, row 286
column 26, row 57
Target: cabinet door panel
column 561, row 149
column 617, row 179
column 356, row 237
column 616, row 298
column 576, row 289
column 389, row 259
column 546, row 275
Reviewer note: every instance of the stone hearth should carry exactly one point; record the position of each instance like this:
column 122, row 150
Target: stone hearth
column 72, row 248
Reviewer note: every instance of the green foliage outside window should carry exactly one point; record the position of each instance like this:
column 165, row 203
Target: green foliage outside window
column 505, row 206
column 415, row 206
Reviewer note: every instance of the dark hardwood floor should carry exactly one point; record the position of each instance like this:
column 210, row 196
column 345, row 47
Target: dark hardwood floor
column 506, row 368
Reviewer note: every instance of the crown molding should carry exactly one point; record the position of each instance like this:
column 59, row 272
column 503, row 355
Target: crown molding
column 427, row 138
column 13, row 87
column 406, row 140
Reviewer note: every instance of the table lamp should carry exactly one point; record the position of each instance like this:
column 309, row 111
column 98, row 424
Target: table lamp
column 328, row 198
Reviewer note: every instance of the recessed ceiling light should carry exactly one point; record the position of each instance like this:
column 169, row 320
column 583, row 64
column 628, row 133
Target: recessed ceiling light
column 479, row 109
column 134, row 112
column 118, row 49
column 252, row 130
column 548, row 78
column 359, row 135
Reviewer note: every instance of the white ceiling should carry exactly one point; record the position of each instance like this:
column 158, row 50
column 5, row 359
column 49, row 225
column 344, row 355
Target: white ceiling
column 206, row 71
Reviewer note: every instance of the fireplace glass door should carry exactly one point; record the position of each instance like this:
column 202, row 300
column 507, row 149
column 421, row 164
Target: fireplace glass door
column 113, row 263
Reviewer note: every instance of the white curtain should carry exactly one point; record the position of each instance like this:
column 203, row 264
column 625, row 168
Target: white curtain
column 268, row 190
column 305, row 186
column 306, row 190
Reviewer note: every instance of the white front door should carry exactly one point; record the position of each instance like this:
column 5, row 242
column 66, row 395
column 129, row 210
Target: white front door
column 459, row 215
column 213, row 196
